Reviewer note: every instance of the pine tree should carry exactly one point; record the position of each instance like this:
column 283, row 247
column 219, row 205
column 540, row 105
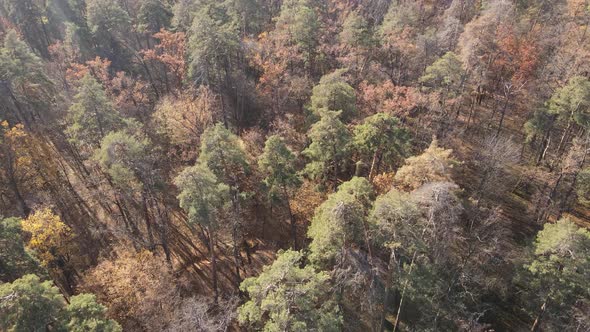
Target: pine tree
column 202, row 197
column 277, row 163
column 381, row 139
column 333, row 93
column 29, row 304
column 92, row 115
column 288, row 297
column 559, row 273
column 329, row 148
column 222, row 152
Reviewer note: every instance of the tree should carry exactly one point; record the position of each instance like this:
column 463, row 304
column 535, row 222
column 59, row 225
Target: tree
column 29, row 304
column 572, row 104
column 153, row 16
column 213, row 42
column 357, row 37
column 393, row 215
column 35, row 20
column 333, row 93
column 288, row 297
column 26, row 88
column 329, row 147
column 91, row 115
column 170, row 53
column 583, row 186
column 298, row 25
column 50, row 238
column 381, row 138
column 397, row 35
column 125, row 159
column 137, row 287
column 446, row 75
column 110, row 25
column 223, row 154
column 183, row 119
column 339, row 223
column 559, row 270
column 202, row 197
column 277, row 163
column 433, row 165
column 15, row 259
column 84, row 314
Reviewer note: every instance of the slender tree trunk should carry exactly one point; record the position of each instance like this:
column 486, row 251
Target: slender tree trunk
column 401, row 301
column 213, row 262
column 292, row 220
column 235, row 235
column 387, row 289
column 537, row 321
column 373, row 164
column 502, row 115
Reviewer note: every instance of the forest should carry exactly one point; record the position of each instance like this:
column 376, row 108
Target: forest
column 294, row 165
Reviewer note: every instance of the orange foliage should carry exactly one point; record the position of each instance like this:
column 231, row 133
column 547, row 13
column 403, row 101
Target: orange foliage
column 387, row 97
column 519, row 55
column 170, row 51
column 306, row 200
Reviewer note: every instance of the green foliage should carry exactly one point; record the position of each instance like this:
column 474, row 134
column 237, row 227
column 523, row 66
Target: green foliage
column 302, row 24
column 356, row 32
column 333, row 93
column 360, row 189
column 124, row 158
column 400, row 16
column 446, row 73
column 249, row 14
column 84, row 314
column 277, row 163
column 329, row 146
column 380, row 136
column 110, row 26
column 153, row 15
column 537, row 124
column 35, row 20
column 583, row 186
column 573, row 101
column 338, row 222
column 201, row 195
column 18, row 64
column 288, row 297
column 28, row 304
column 559, row 271
column 91, row 116
column 15, row 259
column 223, row 153
column 30, row 90
column 394, row 215
column 106, row 17
column 213, row 41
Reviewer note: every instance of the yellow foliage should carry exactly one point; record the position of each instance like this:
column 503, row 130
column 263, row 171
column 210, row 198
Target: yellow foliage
column 433, row 165
column 50, row 237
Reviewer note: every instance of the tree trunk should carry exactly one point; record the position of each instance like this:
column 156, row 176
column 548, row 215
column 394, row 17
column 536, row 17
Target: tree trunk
column 387, row 289
column 502, row 115
column 401, row 301
column 213, row 262
column 293, row 221
column 373, row 163
column 537, row 321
